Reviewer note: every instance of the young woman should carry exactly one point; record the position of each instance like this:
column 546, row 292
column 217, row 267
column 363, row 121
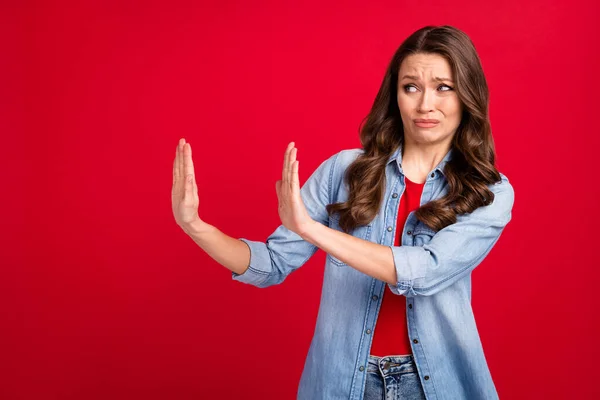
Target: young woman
column 404, row 220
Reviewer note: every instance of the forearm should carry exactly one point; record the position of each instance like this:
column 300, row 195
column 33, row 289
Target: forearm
column 370, row 258
column 231, row 253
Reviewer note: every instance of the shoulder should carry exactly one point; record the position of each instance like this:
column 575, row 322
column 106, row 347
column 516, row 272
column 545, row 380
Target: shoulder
column 338, row 162
column 503, row 190
column 346, row 157
column 500, row 209
column 332, row 170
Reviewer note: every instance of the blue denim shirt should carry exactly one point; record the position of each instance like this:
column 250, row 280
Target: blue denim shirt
column 434, row 273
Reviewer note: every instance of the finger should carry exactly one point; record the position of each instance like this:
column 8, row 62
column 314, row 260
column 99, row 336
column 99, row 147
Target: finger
column 176, row 162
column 284, row 174
column 291, row 160
column 295, row 179
column 187, row 155
column 177, row 176
column 283, row 171
column 195, row 187
column 189, row 186
column 175, row 169
column 180, row 159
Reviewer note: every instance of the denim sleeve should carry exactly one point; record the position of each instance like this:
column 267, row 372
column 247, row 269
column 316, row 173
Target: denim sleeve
column 454, row 251
column 284, row 250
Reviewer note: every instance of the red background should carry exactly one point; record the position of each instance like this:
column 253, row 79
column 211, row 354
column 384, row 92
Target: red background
column 102, row 296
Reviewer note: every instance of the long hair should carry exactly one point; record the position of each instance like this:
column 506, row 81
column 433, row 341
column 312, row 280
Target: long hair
column 472, row 165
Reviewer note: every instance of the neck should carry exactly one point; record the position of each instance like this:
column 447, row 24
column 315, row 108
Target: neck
column 418, row 160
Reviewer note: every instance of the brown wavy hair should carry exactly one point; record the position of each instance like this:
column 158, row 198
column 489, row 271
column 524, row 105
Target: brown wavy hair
column 472, row 165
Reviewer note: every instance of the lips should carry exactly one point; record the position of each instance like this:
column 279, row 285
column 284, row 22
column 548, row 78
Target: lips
column 427, row 121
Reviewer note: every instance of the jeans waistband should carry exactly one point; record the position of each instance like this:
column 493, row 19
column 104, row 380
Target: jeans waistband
column 392, row 364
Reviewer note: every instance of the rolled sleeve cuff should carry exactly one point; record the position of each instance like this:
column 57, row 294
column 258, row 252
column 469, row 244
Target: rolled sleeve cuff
column 259, row 269
column 411, row 265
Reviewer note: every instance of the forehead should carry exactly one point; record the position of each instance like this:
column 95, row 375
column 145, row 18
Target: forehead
column 425, row 64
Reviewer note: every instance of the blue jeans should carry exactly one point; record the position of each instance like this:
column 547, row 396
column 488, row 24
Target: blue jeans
column 392, row 378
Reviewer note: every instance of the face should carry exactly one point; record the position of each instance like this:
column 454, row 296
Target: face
column 421, row 96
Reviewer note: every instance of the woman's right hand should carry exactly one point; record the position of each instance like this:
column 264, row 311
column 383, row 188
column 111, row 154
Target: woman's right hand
column 184, row 195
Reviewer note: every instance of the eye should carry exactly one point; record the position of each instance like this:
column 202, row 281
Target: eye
column 406, row 87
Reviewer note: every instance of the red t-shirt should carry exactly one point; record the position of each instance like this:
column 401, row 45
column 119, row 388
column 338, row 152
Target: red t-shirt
column 390, row 336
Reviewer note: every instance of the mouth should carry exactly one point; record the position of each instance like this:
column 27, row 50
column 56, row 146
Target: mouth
column 426, row 123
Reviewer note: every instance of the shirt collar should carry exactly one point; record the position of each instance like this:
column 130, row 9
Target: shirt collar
column 397, row 155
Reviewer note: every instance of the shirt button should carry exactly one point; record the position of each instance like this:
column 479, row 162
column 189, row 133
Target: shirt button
column 432, row 174
column 410, row 306
column 395, row 195
column 375, row 297
column 415, row 341
column 389, row 228
column 368, row 331
column 409, row 232
column 362, row 368
column 426, row 377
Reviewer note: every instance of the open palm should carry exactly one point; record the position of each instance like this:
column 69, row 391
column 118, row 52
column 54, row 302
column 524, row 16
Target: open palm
column 292, row 211
column 184, row 194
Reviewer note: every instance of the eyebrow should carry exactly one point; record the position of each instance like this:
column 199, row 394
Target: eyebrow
column 416, row 78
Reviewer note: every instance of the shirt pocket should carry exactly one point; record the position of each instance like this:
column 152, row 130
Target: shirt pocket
column 422, row 234
column 361, row 232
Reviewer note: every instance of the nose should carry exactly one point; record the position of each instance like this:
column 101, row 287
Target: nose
column 426, row 102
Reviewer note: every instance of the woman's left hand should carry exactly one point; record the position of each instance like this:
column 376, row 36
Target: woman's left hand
column 291, row 209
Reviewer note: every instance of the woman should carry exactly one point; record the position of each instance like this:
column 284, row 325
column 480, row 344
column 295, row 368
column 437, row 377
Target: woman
column 404, row 221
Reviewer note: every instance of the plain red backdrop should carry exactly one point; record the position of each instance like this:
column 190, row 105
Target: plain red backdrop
column 102, row 296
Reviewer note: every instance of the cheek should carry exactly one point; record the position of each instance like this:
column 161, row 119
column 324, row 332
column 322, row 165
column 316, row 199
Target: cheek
column 452, row 110
column 404, row 104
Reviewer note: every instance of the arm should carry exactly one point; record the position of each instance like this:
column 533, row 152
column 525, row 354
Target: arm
column 257, row 263
column 452, row 253
column 367, row 257
column 285, row 251
column 227, row 251
column 184, row 198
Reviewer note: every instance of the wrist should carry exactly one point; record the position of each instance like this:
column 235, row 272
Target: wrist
column 308, row 232
column 197, row 227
